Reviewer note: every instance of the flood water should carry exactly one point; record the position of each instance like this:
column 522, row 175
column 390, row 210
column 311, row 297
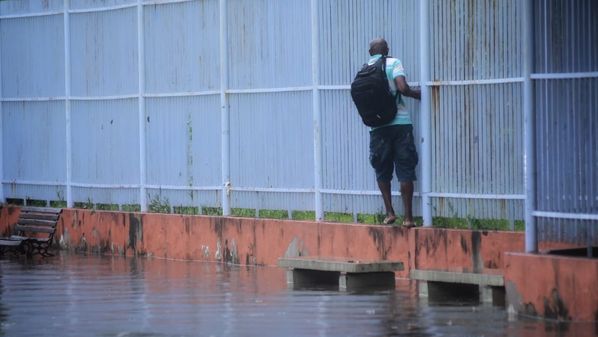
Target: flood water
column 72, row 295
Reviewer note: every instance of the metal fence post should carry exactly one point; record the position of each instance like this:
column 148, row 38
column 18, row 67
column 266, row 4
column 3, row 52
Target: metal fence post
column 224, row 111
column 2, row 200
column 426, row 146
column 67, row 102
column 317, row 116
column 531, row 239
column 141, row 100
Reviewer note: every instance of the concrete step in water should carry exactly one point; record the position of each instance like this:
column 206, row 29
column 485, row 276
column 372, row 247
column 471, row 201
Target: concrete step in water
column 434, row 284
column 347, row 274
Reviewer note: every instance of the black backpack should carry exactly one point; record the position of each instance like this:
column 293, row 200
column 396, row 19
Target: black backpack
column 371, row 94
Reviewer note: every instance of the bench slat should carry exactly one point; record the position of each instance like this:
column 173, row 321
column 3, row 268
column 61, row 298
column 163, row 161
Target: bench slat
column 35, row 222
column 22, row 238
column 11, row 242
column 34, row 229
column 39, row 216
column 31, row 209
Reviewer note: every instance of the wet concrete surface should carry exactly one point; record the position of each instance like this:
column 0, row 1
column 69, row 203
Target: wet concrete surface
column 74, row 295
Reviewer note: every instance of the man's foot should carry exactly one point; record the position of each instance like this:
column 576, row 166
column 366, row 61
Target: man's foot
column 389, row 220
column 408, row 224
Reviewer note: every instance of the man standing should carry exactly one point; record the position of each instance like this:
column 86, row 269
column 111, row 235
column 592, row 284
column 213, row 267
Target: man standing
column 391, row 144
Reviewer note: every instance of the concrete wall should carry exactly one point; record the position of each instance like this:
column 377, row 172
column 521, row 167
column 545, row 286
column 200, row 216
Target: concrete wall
column 549, row 286
column 555, row 287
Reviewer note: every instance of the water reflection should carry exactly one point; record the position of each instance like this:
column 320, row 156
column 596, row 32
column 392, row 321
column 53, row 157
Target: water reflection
column 93, row 296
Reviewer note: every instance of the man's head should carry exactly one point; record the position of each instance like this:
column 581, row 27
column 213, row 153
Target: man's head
column 378, row 46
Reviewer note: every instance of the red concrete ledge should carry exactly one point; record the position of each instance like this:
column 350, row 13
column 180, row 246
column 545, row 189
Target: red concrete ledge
column 555, row 287
column 262, row 241
column 250, row 241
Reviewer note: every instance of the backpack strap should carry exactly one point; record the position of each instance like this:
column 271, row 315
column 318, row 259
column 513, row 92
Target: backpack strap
column 384, row 69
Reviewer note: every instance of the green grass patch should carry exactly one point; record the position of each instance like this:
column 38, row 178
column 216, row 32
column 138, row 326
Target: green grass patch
column 36, row 203
column 370, row 219
column 452, row 223
column 273, row 214
column 84, row 205
column 214, row 211
column 58, row 203
column 303, row 215
column 159, row 204
column 338, row 217
column 476, row 224
column 491, row 224
column 188, row 210
column 131, row 208
column 243, row 212
column 107, row 207
column 520, row 225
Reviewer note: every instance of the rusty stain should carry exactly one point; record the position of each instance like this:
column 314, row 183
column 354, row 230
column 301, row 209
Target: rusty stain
column 529, row 309
column 82, row 246
column 227, row 254
column 476, row 243
column 554, row 307
column 377, row 234
column 218, row 253
column 435, row 99
column 218, row 227
column 464, row 245
column 490, row 264
column 135, row 231
column 432, row 242
column 187, row 222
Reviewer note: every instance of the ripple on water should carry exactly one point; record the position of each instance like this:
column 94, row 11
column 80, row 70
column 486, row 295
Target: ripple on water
column 72, row 295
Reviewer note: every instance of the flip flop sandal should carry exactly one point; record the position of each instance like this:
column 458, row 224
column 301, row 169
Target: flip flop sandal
column 389, row 221
column 408, row 224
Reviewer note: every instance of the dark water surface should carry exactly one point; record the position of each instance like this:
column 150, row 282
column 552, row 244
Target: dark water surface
column 71, row 295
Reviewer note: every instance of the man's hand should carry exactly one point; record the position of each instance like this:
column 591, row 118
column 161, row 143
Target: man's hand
column 405, row 90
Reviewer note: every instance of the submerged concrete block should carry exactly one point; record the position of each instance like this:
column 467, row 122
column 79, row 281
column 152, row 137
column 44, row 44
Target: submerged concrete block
column 346, row 274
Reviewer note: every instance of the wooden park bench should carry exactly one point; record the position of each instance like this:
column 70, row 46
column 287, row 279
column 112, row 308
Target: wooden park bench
column 34, row 231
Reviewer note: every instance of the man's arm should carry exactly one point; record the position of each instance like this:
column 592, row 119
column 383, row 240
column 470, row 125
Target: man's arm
column 404, row 88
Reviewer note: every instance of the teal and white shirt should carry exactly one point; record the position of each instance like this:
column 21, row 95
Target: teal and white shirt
column 394, row 69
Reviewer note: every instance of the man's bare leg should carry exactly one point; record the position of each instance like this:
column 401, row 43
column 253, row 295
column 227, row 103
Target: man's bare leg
column 407, row 196
column 384, row 187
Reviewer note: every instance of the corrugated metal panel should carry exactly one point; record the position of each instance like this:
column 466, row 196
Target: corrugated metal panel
column 475, row 39
column 269, row 43
column 347, row 26
column 181, row 42
column 474, row 209
column 11, row 7
column 567, row 152
column 273, row 201
column 183, row 141
column 87, row 4
column 32, row 56
column 105, row 142
column 478, row 139
column 477, row 129
column 104, row 53
column 271, row 140
column 33, row 138
column 119, row 196
column 566, row 35
column 190, row 201
column 566, row 140
column 34, row 192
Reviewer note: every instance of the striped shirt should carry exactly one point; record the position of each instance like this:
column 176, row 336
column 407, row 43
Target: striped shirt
column 394, row 69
